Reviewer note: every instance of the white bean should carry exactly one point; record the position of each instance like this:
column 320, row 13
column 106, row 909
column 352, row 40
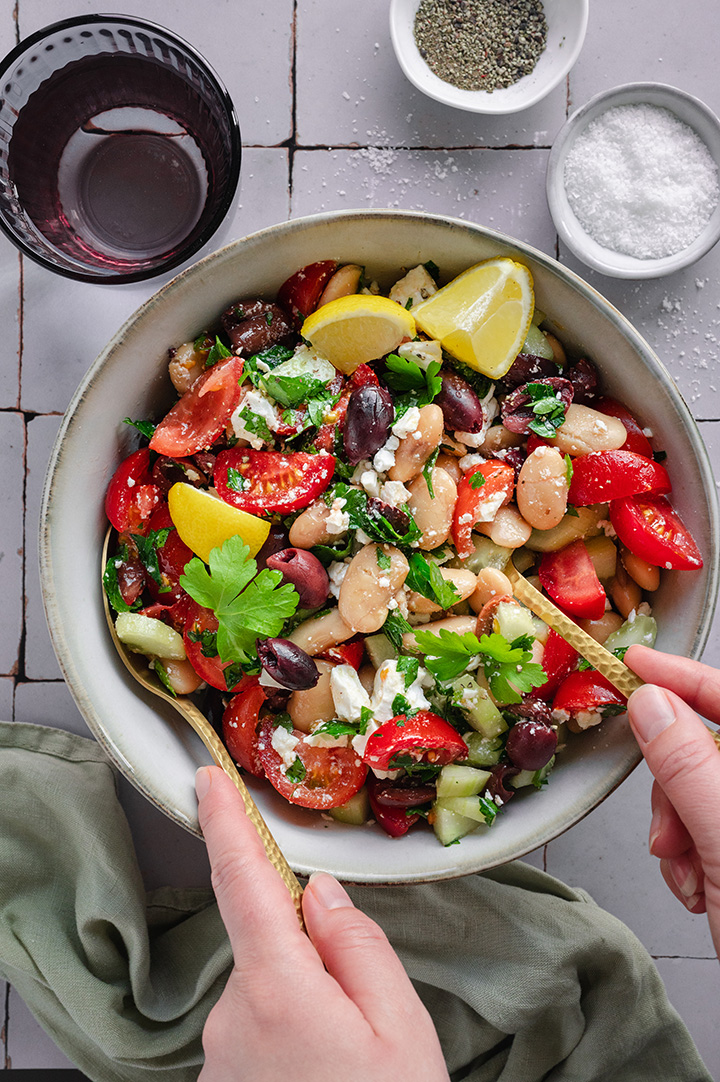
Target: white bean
column 307, row 708
column 600, row 629
column 508, row 529
column 368, row 587
column 585, row 430
column 433, row 514
column 491, row 584
column 646, row 575
column 344, row 281
column 460, row 624
column 416, row 448
column 542, row 488
column 309, row 528
column 463, row 580
column 320, row 632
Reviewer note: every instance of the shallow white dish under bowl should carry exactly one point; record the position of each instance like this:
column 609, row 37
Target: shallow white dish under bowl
column 567, row 23
column 158, row 752
column 685, row 107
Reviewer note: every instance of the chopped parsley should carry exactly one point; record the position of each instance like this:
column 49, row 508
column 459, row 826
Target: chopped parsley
column 568, row 469
column 395, row 627
column 549, row 411
column 337, row 727
column 477, row 479
column 162, row 675
column 217, row 353
column 248, row 605
column 146, row 428
column 255, row 368
column 147, row 547
column 508, row 666
column 489, row 809
column 207, row 640
column 290, row 391
column 366, row 716
column 425, row 577
column 364, row 516
column 236, row 480
column 427, row 471
column 256, row 424
column 432, row 269
column 297, row 772
column 111, row 584
column 384, row 560
column 412, row 385
column 414, row 769
column 402, row 705
column 409, row 667
column 283, row 721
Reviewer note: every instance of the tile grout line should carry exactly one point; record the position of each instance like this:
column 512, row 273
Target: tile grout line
column 292, row 141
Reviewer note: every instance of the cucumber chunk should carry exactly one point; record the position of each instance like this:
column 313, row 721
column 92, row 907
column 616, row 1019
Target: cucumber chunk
column 449, row 827
column 456, row 780
column 486, row 554
column 476, row 705
column 469, row 807
column 379, row 649
column 355, row 811
column 513, row 620
column 570, row 528
column 483, row 750
column 532, row 777
column 146, row 635
column 642, row 631
column 536, row 343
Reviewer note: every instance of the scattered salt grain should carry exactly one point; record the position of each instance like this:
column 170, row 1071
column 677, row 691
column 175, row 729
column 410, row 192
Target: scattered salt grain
column 641, row 182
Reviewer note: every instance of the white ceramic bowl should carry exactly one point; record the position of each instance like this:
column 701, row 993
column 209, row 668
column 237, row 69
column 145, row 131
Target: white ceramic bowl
column 567, row 23
column 686, row 108
column 148, row 742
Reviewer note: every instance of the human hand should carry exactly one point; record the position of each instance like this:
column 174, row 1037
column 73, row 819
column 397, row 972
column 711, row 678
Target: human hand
column 333, row 1006
column 682, row 755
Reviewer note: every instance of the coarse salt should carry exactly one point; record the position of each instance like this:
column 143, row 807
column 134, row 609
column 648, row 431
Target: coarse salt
column 641, row 182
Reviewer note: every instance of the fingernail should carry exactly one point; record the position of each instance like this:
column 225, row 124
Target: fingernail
column 328, row 891
column 202, row 781
column 655, row 828
column 651, row 711
column 684, row 875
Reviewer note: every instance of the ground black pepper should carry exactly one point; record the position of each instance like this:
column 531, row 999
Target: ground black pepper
column 480, row 44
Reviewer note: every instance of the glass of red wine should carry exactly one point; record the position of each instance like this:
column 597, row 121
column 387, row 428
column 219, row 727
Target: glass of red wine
column 119, row 149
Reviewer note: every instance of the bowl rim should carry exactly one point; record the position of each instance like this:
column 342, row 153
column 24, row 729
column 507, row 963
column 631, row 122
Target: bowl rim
column 187, row 251
column 65, row 653
column 572, row 233
column 473, row 101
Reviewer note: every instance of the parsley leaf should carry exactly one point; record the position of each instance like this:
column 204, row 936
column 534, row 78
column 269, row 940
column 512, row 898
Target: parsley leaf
column 384, row 560
column 402, row 705
column 147, row 547
column 290, row 391
column 297, row 771
column 365, row 515
column 217, row 353
column 568, row 469
column 409, row 667
column 489, row 810
column 413, row 768
column 432, row 269
column 283, row 721
column 548, row 409
column 162, row 675
column 337, row 727
column 256, row 424
column 477, row 480
column 246, row 604
column 111, row 584
column 427, row 471
column 425, row 577
column 207, row 640
column 412, row 385
column 395, row 627
column 147, row 428
column 255, row 367
column 508, row 667
column 236, row 480
column 366, row 716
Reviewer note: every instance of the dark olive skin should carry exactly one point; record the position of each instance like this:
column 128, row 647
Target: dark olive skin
column 461, row 407
column 303, row 571
column 254, row 325
column 287, row 663
column 369, row 417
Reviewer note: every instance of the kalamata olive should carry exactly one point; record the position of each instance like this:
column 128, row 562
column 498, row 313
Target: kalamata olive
column 305, row 572
column 517, row 412
column 205, row 462
column 130, row 578
column 378, row 509
column 531, row 744
column 511, row 456
column 526, row 368
column 370, row 414
column 276, row 541
column 254, row 325
column 277, row 698
column 461, row 407
column 583, row 376
column 287, row 663
column 404, row 796
column 531, row 710
column 496, row 784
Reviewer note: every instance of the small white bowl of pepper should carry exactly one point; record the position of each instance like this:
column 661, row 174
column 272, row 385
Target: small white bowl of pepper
column 487, row 56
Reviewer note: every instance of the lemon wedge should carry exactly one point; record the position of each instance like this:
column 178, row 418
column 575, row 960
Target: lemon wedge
column 205, row 522
column 352, row 330
column 483, row 316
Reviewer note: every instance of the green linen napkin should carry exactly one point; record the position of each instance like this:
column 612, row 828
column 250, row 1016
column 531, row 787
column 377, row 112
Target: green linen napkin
column 526, row 979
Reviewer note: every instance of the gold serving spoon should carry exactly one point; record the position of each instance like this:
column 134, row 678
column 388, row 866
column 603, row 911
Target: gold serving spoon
column 611, row 667
column 137, row 666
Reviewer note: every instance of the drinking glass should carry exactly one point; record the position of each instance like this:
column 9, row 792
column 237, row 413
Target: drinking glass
column 119, row 148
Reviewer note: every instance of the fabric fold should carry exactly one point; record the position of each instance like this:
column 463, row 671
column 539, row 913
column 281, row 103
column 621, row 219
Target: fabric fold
column 526, row 978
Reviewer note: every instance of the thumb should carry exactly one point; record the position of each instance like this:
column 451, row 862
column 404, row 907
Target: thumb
column 684, row 759
column 356, row 952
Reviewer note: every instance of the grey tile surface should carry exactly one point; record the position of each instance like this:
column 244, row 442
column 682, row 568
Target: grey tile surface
column 363, row 137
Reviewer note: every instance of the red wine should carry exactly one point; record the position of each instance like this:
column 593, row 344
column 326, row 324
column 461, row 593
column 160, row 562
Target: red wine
column 129, row 144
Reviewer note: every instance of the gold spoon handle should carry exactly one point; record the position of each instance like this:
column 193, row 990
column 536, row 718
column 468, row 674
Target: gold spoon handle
column 606, row 663
column 221, row 757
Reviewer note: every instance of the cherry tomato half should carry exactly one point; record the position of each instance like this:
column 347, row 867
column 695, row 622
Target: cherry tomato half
column 498, row 484
column 424, row 737
column 300, row 293
column 558, row 661
column 130, row 496
column 240, row 723
column 587, row 692
column 636, row 440
column 568, row 576
column 268, row 481
column 605, row 475
column 332, row 775
column 346, row 653
column 196, row 421
column 652, row 530
column 394, row 821
column 172, row 557
column 210, row 668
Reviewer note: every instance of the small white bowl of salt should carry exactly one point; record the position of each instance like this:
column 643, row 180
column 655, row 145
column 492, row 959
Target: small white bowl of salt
column 632, row 181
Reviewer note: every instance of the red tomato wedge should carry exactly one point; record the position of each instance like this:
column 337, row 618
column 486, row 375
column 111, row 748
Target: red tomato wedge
column 652, row 530
column 636, row 440
column 210, row 668
column 264, row 482
column 239, row 726
column 607, row 475
column 587, row 692
column 332, row 775
column 558, row 661
column 474, row 504
column 196, row 421
column 394, row 821
column 130, row 496
column 424, row 737
column 569, row 578
column 300, row 293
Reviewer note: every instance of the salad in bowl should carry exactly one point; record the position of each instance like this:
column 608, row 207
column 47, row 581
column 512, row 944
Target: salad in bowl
column 315, row 536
